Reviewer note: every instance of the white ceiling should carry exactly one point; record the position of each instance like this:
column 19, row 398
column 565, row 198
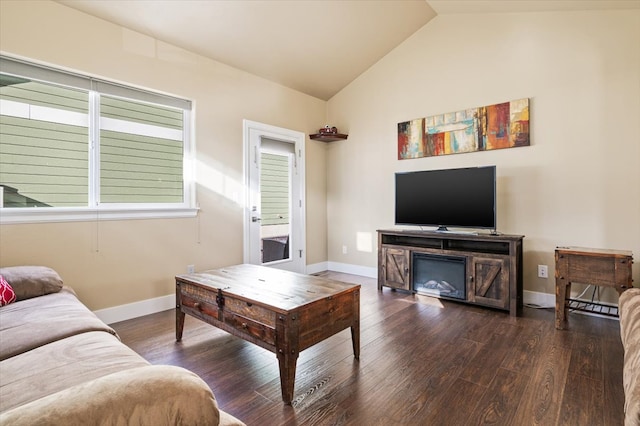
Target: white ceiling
column 317, row 47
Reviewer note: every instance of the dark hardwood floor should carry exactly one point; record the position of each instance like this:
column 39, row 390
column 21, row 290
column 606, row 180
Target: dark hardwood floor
column 423, row 361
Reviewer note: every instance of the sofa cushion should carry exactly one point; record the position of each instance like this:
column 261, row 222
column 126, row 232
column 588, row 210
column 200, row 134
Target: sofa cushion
column 62, row 364
column 34, row 322
column 32, row 281
column 7, row 295
column 152, row 395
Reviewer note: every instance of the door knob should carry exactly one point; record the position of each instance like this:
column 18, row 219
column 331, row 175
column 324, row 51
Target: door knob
column 255, row 219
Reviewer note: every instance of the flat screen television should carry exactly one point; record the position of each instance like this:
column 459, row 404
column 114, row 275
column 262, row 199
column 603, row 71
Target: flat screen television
column 458, row 198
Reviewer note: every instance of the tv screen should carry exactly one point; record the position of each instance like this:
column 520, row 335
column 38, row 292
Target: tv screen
column 464, row 198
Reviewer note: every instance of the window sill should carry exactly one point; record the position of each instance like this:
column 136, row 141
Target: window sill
column 40, row 215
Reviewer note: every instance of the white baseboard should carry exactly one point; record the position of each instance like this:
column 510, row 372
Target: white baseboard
column 164, row 303
column 317, row 267
column 363, row 271
column 538, row 300
column 345, row 268
column 137, row 309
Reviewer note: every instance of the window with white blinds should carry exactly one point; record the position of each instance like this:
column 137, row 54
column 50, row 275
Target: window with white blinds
column 73, row 144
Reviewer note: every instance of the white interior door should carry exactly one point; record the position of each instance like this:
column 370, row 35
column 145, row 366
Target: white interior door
column 274, row 231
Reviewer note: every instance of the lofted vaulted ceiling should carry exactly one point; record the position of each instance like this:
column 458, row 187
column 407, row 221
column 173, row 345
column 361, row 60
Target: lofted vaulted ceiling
column 316, row 47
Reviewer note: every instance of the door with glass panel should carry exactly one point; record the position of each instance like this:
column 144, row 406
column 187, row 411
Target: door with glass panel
column 274, row 212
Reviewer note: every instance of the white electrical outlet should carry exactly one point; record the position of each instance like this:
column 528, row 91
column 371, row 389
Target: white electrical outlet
column 344, row 249
column 543, row 271
column 191, row 269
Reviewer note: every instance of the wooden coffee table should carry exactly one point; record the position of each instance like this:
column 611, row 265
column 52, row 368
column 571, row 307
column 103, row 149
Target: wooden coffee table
column 281, row 311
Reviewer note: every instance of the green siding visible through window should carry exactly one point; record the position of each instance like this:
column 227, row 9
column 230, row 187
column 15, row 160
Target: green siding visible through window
column 43, row 162
column 46, row 95
column 274, row 188
column 141, row 113
column 141, row 169
column 138, row 168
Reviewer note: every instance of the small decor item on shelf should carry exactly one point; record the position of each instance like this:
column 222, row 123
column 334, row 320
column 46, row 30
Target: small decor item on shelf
column 328, row 130
column 328, row 134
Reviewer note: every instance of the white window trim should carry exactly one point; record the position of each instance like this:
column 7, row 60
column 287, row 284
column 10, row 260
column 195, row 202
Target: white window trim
column 38, row 215
column 64, row 214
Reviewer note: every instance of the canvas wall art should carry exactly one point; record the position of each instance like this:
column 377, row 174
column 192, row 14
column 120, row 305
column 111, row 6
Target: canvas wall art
column 504, row 125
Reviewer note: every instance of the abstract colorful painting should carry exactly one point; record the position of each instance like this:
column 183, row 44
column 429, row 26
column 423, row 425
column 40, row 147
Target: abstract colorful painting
column 504, row 125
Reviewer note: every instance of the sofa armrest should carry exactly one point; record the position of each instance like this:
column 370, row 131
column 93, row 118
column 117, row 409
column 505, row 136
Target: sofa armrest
column 629, row 307
column 150, row 395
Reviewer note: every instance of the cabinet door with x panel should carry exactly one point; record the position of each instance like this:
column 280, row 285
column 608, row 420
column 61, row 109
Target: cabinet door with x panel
column 488, row 281
column 394, row 268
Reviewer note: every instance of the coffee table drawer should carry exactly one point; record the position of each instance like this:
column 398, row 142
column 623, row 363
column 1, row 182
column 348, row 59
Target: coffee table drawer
column 260, row 331
column 204, row 308
column 203, row 301
column 250, row 311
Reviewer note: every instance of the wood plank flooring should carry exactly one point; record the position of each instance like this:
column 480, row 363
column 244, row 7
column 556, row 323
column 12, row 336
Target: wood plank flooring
column 423, row 361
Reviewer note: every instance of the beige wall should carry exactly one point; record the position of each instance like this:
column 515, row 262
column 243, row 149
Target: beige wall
column 110, row 263
column 577, row 184
column 579, row 181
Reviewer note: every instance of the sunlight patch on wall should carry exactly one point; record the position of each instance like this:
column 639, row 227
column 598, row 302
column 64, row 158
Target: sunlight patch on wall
column 364, row 242
column 212, row 179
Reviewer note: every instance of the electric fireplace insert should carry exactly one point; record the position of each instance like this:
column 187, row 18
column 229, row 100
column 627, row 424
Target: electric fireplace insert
column 441, row 276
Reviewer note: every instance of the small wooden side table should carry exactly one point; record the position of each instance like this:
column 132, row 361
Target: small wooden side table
column 601, row 267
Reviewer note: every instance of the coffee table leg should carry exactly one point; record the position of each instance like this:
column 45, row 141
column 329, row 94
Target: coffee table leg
column 287, row 364
column 179, row 323
column 179, row 313
column 287, row 340
column 355, row 328
column 355, row 339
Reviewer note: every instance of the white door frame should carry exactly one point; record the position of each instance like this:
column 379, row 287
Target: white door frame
column 251, row 130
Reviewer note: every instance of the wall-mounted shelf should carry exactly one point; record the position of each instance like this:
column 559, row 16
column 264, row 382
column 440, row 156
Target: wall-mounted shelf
column 328, row 137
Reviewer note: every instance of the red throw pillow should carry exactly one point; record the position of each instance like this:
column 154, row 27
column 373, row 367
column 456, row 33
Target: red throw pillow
column 7, row 295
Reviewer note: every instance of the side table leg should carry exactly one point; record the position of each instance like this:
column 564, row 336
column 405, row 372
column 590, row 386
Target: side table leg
column 562, row 290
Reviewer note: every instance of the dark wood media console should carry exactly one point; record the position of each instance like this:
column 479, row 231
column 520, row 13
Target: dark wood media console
column 493, row 264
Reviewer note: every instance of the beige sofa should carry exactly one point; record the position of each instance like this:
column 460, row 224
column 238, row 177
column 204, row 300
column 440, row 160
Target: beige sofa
column 629, row 307
column 61, row 365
